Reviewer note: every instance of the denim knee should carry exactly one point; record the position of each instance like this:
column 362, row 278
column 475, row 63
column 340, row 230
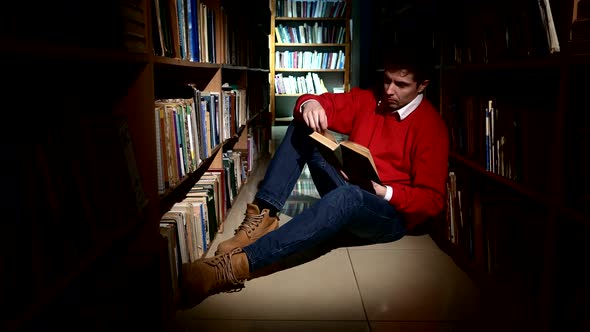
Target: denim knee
column 350, row 195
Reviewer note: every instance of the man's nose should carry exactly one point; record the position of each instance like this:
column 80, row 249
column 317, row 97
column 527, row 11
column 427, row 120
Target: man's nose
column 390, row 89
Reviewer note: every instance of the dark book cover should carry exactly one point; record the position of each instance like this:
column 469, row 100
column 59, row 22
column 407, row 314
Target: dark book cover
column 351, row 158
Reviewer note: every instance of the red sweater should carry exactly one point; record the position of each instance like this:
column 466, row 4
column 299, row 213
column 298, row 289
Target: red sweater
column 411, row 155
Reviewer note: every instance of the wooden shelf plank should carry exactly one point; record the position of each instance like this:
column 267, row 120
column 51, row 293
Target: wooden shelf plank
column 570, row 213
column 284, row 18
column 307, row 69
column 310, row 45
column 518, row 187
column 178, row 193
column 47, row 50
column 185, row 63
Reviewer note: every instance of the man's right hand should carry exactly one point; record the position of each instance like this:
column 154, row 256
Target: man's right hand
column 314, row 116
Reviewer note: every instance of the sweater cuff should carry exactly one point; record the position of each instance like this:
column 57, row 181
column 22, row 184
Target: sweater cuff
column 388, row 194
column 303, row 103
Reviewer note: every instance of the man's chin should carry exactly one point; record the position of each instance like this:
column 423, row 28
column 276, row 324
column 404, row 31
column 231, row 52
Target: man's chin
column 391, row 105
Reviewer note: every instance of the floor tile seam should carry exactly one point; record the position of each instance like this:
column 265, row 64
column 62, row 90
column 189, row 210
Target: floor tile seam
column 358, row 287
column 408, row 250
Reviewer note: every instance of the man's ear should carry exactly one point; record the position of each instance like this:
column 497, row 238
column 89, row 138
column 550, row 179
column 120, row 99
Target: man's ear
column 423, row 86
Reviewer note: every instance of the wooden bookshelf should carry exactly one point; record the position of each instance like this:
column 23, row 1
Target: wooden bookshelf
column 85, row 247
column 510, row 230
column 295, row 21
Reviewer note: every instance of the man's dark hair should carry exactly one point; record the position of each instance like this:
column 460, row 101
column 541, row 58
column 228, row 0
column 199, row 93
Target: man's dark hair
column 417, row 60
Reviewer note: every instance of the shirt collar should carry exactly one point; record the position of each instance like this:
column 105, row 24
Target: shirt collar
column 405, row 111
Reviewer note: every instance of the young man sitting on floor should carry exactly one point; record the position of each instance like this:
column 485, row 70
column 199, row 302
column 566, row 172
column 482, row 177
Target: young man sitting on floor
column 409, row 143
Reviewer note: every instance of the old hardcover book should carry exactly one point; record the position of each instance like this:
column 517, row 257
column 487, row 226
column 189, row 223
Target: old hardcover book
column 351, row 158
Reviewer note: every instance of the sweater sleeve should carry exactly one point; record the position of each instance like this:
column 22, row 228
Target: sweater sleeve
column 425, row 197
column 341, row 108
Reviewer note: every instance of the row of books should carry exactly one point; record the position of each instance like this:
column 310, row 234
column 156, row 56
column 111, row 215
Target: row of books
column 482, row 131
column 191, row 225
column 253, row 149
column 201, row 31
column 184, row 29
column 454, row 213
column 310, row 83
column 464, row 221
column 468, row 227
column 235, row 109
column 309, row 60
column 188, row 129
column 303, row 196
column 495, row 35
column 500, row 142
column 310, row 34
column 259, row 138
column 305, row 187
column 310, row 8
column 186, row 132
column 133, row 20
column 496, row 232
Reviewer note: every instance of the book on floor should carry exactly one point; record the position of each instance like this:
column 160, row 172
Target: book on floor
column 351, row 158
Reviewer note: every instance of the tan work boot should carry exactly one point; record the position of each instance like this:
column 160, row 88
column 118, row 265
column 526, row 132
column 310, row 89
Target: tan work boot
column 255, row 225
column 208, row 276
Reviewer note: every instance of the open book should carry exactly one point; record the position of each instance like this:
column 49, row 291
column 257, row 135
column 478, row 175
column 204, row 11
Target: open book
column 353, row 159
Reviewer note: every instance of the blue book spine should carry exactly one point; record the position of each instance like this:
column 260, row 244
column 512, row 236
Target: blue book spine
column 213, row 38
column 211, row 111
column 190, row 12
column 203, row 110
column 216, row 118
column 181, row 29
column 195, row 21
column 204, row 226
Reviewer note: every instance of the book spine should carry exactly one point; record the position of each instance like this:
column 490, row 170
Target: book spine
column 487, row 139
column 160, row 167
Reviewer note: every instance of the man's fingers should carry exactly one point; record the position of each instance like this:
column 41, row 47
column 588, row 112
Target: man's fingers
column 309, row 120
column 315, row 117
column 323, row 124
column 313, row 120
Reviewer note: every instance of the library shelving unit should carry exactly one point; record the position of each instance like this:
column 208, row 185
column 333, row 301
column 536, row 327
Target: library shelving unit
column 512, row 95
column 310, row 47
column 82, row 247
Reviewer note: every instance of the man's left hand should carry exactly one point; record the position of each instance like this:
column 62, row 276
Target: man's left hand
column 380, row 190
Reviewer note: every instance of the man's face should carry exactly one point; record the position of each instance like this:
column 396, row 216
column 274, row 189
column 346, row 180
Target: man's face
column 400, row 88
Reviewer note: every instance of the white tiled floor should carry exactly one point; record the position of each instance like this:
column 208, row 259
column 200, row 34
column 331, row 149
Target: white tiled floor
column 408, row 285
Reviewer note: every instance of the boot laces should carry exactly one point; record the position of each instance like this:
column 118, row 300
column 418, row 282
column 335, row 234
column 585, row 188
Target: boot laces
column 224, row 271
column 250, row 223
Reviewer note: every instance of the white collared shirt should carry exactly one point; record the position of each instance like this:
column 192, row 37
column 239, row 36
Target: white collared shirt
column 410, row 107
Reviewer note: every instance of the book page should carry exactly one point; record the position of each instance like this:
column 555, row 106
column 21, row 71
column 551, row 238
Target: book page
column 328, row 148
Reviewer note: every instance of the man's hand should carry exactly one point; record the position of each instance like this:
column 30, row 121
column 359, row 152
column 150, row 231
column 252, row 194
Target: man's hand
column 380, row 190
column 314, row 116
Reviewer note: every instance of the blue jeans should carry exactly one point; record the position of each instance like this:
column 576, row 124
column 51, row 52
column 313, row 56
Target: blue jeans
column 343, row 207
